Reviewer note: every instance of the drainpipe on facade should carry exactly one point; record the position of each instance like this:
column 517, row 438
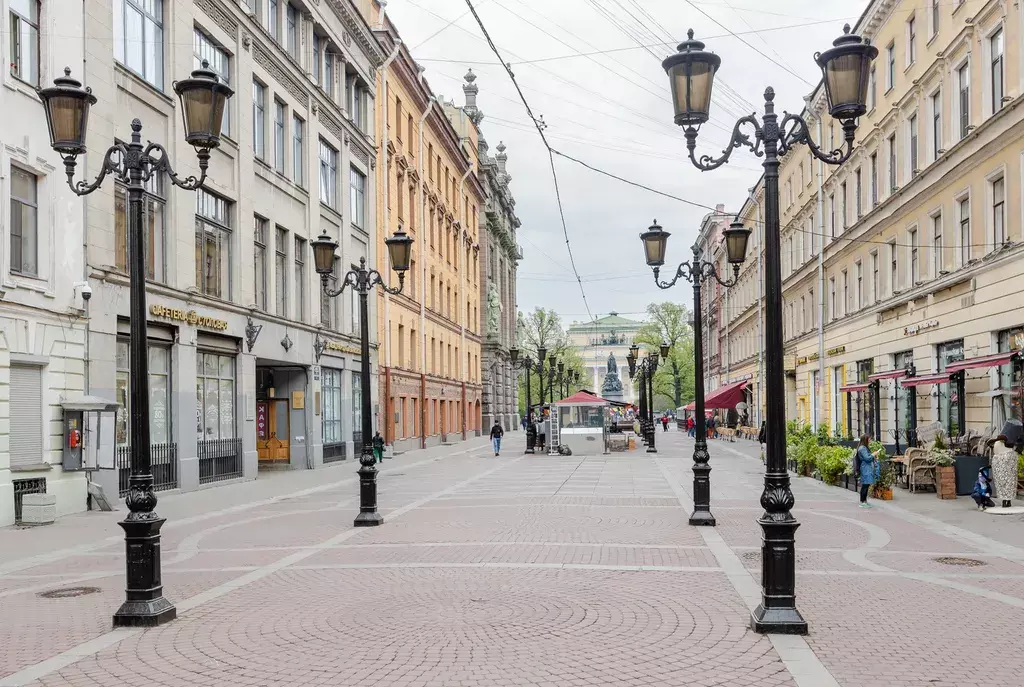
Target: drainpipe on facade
column 387, row 220
column 760, row 303
column 423, row 278
column 821, row 286
column 463, row 308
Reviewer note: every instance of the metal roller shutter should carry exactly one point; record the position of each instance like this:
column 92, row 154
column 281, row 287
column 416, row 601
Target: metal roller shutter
column 26, row 415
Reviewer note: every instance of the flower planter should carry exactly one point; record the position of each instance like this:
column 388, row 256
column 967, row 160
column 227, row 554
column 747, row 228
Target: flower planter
column 945, row 482
column 882, row 494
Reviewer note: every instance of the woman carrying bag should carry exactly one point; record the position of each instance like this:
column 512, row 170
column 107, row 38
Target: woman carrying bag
column 865, row 466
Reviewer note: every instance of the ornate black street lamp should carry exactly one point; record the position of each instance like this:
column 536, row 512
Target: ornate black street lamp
column 542, row 353
column 643, row 374
column 697, row 273
column 363, row 280
column 531, row 430
column 552, row 374
column 67, row 105
column 846, row 71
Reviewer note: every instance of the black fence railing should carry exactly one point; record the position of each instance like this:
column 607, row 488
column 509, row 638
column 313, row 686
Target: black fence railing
column 219, row 459
column 163, row 463
column 35, row 485
column 334, row 452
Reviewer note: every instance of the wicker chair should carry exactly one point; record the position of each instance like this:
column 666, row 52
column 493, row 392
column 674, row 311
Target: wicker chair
column 920, row 468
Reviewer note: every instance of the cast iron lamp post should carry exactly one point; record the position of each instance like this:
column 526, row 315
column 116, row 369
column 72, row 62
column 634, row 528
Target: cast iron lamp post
column 644, row 375
column 531, row 430
column 697, row 273
column 846, row 71
column 363, row 280
column 552, row 373
column 67, row 105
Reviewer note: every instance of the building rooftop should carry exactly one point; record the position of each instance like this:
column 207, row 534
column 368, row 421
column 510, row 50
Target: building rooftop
column 612, row 321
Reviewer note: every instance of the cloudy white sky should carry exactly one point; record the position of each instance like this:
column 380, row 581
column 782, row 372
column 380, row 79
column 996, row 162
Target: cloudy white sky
column 612, row 110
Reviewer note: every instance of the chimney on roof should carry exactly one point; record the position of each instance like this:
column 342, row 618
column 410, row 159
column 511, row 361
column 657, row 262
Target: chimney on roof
column 720, row 209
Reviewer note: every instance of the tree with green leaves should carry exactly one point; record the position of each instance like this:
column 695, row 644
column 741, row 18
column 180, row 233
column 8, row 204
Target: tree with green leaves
column 670, row 323
column 542, row 328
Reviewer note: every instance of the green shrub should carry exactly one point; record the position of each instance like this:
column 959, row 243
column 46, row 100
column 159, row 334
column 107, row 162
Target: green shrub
column 807, row 453
column 833, row 461
column 877, row 446
column 823, row 437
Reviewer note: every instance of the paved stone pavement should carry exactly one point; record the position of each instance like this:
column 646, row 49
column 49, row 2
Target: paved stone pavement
column 520, row 570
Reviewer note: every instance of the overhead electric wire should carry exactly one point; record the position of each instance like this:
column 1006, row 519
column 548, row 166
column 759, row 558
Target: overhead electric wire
column 551, row 157
column 442, row 29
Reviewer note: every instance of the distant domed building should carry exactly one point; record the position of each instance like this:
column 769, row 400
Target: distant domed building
column 597, row 341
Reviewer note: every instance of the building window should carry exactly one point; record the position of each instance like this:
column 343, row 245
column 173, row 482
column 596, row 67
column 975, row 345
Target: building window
column 357, row 408
column 935, row 16
column 357, row 107
column 1011, row 375
column 292, row 30
column 300, row 279
column 995, row 43
column 332, row 406
column 832, row 298
column 25, row 40
column 911, row 40
column 937, row 245
column 890, row 60
column 280, row 275
column 259, row 233
column 846, row 293
column 860, row 285
column 912, row 130
column 874, row 179
column 213, row 245
column 215, row 396
column 139, row 38
column 317, row 58
column 875, row 291
column 894, row 282
column 328, row 82
column 872, row 88
column 832, row 214
column 936, row 103
column 153, row 225
column 273, row 25
column 915, row 266
column 298, row 158
column 259, row 125
column 963, row 78
column 998, row 212
column 159, row 393
column 842, row 195
column 216, row 60
column 858, row 189
column 279, row 115
column 949, row 403
column 357, row 197
column 892, row 163
column 328, row 175
column 965, row 230
column 24, row 222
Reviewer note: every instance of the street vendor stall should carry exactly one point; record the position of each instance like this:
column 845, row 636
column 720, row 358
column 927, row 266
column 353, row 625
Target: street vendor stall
column 582, row 423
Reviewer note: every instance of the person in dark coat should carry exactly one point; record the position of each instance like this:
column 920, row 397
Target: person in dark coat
column 982, row 493
column 497, row 432
column 378, row 447
column 865, row 466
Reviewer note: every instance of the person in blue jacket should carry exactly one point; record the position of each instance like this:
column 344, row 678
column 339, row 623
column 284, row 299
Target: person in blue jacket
column 865, row 464
column 982, row 493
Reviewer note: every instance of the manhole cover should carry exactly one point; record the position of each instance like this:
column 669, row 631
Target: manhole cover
column 954, row 560
column 68, row 592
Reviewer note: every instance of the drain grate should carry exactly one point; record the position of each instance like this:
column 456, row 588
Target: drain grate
column 68, row 592
column 956, row 560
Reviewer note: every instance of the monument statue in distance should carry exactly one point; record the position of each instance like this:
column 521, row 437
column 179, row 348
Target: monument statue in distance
column 612, row 387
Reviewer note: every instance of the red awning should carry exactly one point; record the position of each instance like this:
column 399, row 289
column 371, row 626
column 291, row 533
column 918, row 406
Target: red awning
column 983, row 362
column 726, row 397
column 582, row 398
column 891, row 374
column 853, row 388
column 925, row 379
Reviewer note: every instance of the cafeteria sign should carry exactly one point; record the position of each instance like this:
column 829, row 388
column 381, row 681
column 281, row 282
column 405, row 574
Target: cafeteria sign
column 188, row 316
column 341, row 348
column 913, row 329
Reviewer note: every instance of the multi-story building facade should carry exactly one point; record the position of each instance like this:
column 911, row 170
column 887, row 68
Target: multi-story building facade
column 43, row 321
column 910, row 255
column 430, row 186
column 250, row 365
column 598, row 340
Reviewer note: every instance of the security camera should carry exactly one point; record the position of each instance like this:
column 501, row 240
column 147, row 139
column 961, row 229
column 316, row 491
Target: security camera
column 85, row 288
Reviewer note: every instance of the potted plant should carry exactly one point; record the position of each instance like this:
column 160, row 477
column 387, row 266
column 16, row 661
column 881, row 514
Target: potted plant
column 883, row 484
column 833, row 462
column 945, row 472
column 807, row 455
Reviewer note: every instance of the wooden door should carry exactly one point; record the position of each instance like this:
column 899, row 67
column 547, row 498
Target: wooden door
column 273, row 431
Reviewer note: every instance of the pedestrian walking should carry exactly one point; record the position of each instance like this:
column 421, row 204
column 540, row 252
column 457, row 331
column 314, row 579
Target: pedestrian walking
column 496, row 434
column 711, row 427
column 524, row 422
column 664, row 422
column 865, row 467
column 378, row 447
column 689, row 426
column 762, row 436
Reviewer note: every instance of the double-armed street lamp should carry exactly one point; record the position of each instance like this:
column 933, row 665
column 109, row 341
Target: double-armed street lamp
column 643, row 372
column 203, row 98
column 697, row 273
column 525, row 364
column 846, row 75
column 363, row 280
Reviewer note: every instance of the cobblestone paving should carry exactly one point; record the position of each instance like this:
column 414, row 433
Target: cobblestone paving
column 517, row 570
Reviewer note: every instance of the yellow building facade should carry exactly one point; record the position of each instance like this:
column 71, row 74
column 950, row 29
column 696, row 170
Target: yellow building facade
column 430, row 333
column 910, row 255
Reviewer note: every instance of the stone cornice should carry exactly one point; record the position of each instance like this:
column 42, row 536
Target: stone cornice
column 354, row 24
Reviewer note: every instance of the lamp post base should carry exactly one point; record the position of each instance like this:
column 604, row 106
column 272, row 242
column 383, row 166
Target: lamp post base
column 368, row 519
column 368, row 515
column 145, row 604
column 779, row 621
column 702, row 518
column 651, row 449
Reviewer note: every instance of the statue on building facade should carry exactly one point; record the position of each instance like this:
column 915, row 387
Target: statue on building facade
column 494, row 310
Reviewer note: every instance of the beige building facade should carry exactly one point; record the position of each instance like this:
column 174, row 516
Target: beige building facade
column 910, row 255
column 431, row 332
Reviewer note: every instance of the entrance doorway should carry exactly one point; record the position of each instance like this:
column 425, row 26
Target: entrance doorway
column 273, row 431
